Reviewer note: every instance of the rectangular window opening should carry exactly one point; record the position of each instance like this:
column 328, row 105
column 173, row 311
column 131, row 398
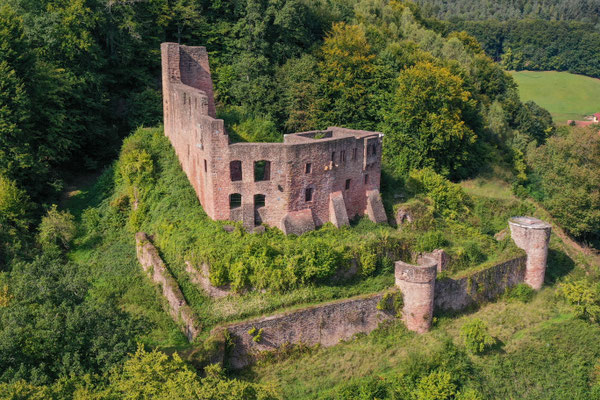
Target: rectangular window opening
column 366, row 179
column 205, row 166
column 343, row 156
column 308, row 194
column 235, row 200
column 262, row 170
column 333, row 156
column 308, row 168
column 348, row 184
column 259, row 200
column 235, row 170
column 354, row 154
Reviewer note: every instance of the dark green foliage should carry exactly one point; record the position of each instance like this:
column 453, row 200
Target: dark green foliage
column 52, row 328
column 565, row 177
column 521, row 292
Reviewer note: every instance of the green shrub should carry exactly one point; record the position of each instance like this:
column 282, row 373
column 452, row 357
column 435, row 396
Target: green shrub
column 430, row 241
column 521, row 292
column 438, row 385
column 584, row 297
column 392, row 301
column 448, row 198
column 476, row 337
column 468, row 254
column 57, row 228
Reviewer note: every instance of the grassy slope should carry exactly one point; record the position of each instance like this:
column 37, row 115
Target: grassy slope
column 565, row 95
column 545, row 352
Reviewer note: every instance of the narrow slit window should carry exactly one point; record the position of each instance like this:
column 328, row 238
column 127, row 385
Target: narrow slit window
column 343, row 156
column 235, row 200
column 308, row 168
column 205, row 166
column 262, row 170
column 333, row 156
column 348, row 184
column 354, row 154
column 259, row 200
column 366, row 179
column 308, row 194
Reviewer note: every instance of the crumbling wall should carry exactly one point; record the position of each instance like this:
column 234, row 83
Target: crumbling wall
column 154, row 266
column 336, row 160
column 479, row 287
column 325, row 324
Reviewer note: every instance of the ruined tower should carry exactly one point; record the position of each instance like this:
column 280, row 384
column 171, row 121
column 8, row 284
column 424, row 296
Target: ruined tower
column 533, row 236
column 417, row 284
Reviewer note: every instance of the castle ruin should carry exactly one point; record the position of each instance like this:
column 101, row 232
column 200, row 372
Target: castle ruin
column 310, row 179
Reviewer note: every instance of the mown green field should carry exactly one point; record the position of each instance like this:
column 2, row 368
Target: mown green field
column 565, row 95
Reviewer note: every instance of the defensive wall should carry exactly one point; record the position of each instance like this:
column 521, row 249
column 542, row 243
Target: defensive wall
column 310, row 179
column 326, row 324
column 156, row 269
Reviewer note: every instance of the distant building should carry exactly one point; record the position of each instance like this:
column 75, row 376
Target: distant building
column 595, row 119
column 309, row 179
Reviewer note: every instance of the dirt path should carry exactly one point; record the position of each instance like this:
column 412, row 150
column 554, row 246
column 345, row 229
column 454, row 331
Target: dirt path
column 74, row 186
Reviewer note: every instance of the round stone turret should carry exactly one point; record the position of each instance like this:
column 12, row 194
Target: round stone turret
column 533, row 236
column 417, row 284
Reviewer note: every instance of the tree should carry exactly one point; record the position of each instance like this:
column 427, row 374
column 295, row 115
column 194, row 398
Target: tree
column 425, row 126
column 14, row 218
column 565, row 176
column 348, row 72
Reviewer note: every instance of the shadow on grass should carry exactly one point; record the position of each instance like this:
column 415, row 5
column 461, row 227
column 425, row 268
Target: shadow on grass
column 559, row 265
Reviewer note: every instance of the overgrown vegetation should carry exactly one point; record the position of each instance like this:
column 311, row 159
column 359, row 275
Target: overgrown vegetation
column 76, row 76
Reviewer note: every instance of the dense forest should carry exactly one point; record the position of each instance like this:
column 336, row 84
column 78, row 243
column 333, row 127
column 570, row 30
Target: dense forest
column 503, row 10
column 529, row 35
column 77, row 77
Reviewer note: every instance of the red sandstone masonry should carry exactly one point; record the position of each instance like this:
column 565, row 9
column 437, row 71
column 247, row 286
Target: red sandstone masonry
column 533, row 236
column 417, row 284
column 328, row 323
column 155, row 267
column 325, row 324
column 330, row 161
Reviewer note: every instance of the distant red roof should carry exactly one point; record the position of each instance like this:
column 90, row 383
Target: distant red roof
column 582, row 123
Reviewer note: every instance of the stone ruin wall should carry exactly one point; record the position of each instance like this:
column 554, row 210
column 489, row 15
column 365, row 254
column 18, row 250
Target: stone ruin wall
column 486, row 285
column 216, row 169
column 325, row 324
column 328, row 324
column 155, row 268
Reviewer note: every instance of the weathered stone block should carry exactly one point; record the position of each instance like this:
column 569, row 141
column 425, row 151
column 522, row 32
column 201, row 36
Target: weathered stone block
column 298, row 222
column 375, row 208
column 337, row 210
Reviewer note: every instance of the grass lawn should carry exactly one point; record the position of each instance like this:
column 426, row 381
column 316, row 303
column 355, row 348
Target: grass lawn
column 565, row 95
